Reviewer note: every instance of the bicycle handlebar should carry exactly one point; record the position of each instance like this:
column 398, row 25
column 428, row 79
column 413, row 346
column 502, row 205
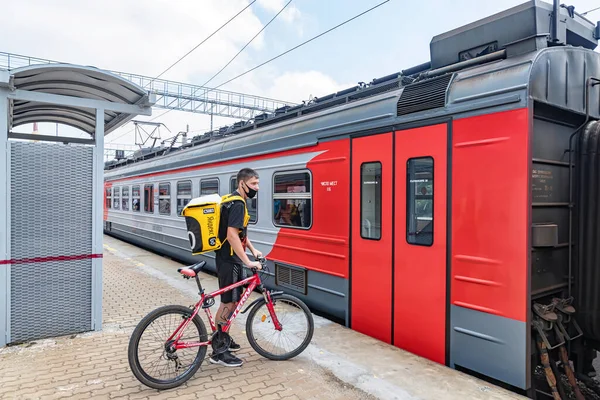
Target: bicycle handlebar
column 263, row 263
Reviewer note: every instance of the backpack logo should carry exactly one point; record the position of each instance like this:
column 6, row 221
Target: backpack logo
column 212, row 241
column 208, row 211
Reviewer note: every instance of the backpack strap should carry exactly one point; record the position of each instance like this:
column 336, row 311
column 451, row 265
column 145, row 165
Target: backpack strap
column 230, row 198
column 226, row 201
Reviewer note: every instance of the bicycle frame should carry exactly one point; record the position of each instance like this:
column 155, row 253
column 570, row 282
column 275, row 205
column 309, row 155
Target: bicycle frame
column 253, row 281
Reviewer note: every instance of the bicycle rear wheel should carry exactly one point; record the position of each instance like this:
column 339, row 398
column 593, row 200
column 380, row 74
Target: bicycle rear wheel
column 179, row 365
column 297, row 328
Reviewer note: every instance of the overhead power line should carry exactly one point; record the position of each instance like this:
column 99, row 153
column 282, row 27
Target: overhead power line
column 181, row 58
column 246, row 45
column 288, row 51
column 587, row 12
column 202, row 42
column 300, row 45
column 234, row 57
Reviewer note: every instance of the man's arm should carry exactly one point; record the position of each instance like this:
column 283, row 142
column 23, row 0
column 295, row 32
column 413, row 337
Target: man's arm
column 255, row 252
column 236, row 244
column 235, row 222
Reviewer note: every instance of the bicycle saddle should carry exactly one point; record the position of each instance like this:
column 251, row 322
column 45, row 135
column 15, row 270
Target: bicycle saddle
column 193, row 270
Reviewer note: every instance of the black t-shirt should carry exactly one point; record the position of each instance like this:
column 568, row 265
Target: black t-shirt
column 233, row 213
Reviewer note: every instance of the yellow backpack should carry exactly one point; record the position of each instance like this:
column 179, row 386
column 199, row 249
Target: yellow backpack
column 203, row 217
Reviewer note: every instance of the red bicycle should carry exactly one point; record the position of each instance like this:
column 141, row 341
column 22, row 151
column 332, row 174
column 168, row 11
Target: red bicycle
column 172, row 347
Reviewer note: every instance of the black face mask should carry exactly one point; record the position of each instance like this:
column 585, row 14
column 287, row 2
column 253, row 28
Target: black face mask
column 251, row 192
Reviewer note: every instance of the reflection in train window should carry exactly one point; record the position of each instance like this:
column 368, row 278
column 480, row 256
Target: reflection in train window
column 149, row 198
column 164, row 198
column 184, row 195
column 419, row 203
column 370, row 200
column 108, row 197
column 209, row 186
column 292, row 199
column 125, row 198
column 116, row 197
column 252, row 204
column 135, row 198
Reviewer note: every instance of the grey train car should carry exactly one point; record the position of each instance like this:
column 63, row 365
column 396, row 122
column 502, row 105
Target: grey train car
column 450, row 209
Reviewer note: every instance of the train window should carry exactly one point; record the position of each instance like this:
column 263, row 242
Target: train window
column 125, row 198
column 292, row 199
column 370, row 200
column 149, row 198
column 184, row 195
column 209, row 186
column 116, row 197
column 108, row 197
column 252, row 204
column 164, row 198
column 135, row 197
column 419, row 204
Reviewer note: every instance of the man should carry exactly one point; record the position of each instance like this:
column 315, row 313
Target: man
column 232, row 255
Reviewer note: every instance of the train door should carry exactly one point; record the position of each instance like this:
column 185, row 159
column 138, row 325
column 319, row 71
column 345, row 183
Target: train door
column 398, row 248
column 371, row 281
column 420, row 251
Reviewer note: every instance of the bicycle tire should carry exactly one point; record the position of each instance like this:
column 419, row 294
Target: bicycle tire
column 292, row 354
column 132, row 352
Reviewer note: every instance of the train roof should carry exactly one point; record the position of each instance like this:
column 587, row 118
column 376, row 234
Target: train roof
column 500, row 61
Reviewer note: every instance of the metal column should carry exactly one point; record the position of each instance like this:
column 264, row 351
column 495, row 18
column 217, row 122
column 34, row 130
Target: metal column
column 97, row 220
column 4, row 221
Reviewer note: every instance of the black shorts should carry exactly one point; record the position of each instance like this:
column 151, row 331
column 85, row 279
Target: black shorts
column 230, row 273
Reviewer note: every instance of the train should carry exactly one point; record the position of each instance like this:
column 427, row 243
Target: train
column 450, row 209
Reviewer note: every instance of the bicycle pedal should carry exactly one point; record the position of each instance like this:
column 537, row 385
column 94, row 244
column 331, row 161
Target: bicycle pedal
column 208, row 302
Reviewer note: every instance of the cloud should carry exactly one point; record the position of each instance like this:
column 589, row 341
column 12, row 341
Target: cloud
column 289, row 15
column 298, row 86
column 123, row 36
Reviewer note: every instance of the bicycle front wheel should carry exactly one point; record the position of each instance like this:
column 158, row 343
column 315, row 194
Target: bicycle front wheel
column 153, row 361
column 297, row 328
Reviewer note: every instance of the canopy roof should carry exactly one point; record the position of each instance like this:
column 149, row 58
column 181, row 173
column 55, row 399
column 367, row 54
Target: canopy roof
column 75, row 81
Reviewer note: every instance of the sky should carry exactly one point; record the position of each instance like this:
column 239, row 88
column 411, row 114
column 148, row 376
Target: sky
column 147, row 37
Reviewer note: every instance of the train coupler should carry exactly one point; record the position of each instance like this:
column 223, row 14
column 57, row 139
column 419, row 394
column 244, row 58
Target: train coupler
column 565, row 311
column 543, row 321
column 547, row 320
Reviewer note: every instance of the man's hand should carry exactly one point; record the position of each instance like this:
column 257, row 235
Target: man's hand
column 254, row 264
column 257, row 254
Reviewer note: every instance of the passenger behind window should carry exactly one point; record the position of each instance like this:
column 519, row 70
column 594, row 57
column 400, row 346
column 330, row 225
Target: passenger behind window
column 277, row 212
column 295, row 215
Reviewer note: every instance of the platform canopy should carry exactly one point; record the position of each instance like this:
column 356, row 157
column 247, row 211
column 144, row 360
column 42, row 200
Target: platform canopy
column 59, row 231
column 70, row 94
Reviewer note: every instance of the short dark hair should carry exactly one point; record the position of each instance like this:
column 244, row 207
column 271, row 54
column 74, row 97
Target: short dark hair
column 245, row 174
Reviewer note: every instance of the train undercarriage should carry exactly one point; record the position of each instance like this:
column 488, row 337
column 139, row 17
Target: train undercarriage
column 564, row 326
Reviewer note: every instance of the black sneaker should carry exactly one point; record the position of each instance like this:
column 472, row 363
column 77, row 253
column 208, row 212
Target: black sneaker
column 233, row 346
column 226, row 359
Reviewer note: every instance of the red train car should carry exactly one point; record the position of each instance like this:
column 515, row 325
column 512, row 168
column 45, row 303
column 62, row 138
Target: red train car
column 449, row 209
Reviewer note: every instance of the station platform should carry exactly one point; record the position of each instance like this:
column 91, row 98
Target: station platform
column 339, row 363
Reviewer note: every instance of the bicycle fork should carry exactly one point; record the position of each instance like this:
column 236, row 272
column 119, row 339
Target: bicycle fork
column 269, row 301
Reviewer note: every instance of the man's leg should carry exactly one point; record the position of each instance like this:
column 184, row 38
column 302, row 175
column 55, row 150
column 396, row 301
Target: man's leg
column 226, row 275
column 224, row 311
column 231, row 301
